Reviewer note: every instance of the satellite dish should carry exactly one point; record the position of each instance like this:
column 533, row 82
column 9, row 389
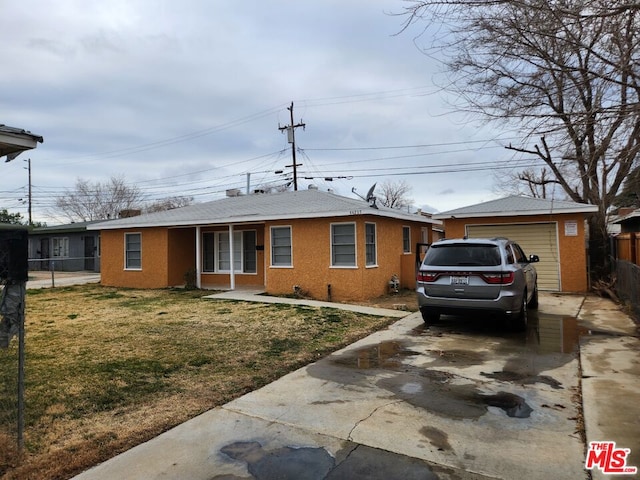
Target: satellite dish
column 370, row 192
column 370, row 198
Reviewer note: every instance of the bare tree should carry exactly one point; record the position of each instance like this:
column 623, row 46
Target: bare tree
column 98, row 201
column 565, row 74
column 530, row 182
column 395, row 194
column 168, row 203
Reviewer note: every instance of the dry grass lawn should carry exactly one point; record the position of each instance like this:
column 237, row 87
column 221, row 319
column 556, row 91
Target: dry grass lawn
column 109, row 368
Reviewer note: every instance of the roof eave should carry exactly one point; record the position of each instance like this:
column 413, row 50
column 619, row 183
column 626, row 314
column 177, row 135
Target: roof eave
column 453, row 215
column 113, row 225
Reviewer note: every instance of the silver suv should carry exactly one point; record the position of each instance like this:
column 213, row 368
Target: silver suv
column 461, row 276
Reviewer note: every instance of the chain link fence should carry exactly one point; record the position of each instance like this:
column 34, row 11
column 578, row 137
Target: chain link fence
column 627, row 284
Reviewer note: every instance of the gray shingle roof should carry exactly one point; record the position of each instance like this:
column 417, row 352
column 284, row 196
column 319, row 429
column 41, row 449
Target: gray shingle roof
column 259, row 208
column 68, row 227
column 516, row 205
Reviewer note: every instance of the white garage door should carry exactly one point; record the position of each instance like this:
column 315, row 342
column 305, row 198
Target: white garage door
column 535, row 238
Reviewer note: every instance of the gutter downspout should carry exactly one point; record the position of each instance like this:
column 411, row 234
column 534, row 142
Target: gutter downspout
column 198, row 257
column 232, row 273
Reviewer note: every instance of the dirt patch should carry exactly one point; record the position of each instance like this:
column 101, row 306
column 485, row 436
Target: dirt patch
column 405, row 299
column 110, row 368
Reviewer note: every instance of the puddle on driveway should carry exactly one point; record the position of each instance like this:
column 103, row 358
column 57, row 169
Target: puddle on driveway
column 554, row 333
column 316, row 463
column 439, row 393
column 428, row 378
column 386, row 355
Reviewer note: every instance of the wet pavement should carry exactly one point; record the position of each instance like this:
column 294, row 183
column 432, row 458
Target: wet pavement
column 461, row 399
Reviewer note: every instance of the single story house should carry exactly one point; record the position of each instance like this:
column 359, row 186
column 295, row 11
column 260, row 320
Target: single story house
column 554, row 230
column 325, row 245
column 68, row 248
column 629, row 220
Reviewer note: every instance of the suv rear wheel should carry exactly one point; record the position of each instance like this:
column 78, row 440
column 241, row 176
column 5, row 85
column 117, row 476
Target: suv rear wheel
column 429, row 317
column 520, row 322
column 533, row 303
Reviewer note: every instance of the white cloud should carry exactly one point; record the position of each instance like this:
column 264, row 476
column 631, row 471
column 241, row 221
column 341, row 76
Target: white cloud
column 179, row 96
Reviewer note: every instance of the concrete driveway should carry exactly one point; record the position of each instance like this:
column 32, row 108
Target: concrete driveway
column 459, row 400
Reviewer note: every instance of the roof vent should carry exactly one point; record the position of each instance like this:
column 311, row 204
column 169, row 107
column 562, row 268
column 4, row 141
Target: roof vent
column 233, row 192
column 313, row 187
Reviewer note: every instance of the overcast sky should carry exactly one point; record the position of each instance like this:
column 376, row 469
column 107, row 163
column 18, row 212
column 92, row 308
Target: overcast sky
column 186, row 97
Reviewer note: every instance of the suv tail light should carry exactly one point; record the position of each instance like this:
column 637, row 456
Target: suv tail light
column 428, row 276
column 503, row 278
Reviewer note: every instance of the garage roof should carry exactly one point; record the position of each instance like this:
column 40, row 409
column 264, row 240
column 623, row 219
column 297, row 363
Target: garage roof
column 259, row 208
column 517, row 206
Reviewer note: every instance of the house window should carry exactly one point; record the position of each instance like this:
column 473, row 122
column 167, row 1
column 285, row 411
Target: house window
column 406, row 239
column 215, row 252
column 281, row 247
column 370, row 244
column 343, row 245
column 249, row 257
column 208, row 252
column 60, row 247
column 133, row 251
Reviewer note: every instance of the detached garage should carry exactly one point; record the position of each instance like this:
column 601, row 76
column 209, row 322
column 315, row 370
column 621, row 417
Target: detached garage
column 553, row 230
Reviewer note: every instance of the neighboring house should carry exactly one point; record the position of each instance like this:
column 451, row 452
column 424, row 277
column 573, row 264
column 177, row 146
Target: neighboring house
column 67, row 248
column 326, row 245
column 629, row 220
column 627, row 241
column 554, row 230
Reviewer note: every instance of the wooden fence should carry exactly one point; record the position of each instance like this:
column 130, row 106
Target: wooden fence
column 628, row 247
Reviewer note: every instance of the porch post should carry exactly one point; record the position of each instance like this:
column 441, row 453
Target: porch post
column 232, row 273
column 198, row 257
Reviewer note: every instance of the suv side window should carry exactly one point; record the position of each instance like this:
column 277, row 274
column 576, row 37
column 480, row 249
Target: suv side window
column 520, row 256
column 510, row 257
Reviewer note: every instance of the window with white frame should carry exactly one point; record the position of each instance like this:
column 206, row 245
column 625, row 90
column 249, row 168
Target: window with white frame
column 343, row 245
column 133, row 251
column 406, row 239
column 281, row 247
column 208, row 252
column 216, row 252
column 370, row 244
column 60, row 247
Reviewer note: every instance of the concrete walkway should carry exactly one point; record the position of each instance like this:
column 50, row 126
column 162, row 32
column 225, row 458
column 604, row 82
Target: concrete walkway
column 258, row 296
column 332, row 421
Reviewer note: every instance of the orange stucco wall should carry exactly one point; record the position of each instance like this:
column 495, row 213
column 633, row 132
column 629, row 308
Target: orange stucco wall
column 168, row 254
column 572, row 249
column 312, row 270
column 182, row 257
column 155, row 260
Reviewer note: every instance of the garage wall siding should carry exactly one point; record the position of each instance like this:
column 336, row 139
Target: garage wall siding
column 571, row 242
column 535, row 238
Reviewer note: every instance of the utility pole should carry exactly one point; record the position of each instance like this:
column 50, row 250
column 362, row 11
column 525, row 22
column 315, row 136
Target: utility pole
column 292, row 140
column 29, row 168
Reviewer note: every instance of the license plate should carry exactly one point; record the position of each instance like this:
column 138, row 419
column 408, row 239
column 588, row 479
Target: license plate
column 459, row 280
